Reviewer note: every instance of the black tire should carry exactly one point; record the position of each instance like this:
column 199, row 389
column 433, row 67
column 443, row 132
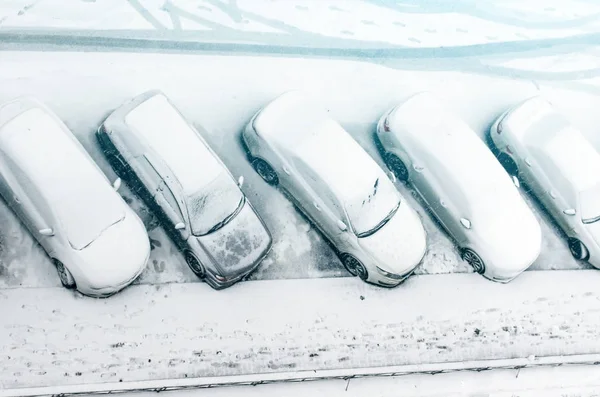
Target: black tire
column 118, row 166
column 471, row 257
column 354, row 266
column 578, row 249
column 65, row 276
column 509, row 164
column 195, row 264
column 266, row 172
column 397, row 166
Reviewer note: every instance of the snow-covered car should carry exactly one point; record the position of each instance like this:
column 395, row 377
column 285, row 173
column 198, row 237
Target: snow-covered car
column 294, row 144
column 97, row 243
column 152, row 146
column 559, row 165
column 463, row 184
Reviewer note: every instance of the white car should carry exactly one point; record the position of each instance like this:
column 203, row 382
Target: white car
column 295, row 144
column 559, row 165
column 98, row 244
column 468, row 191
column 153, row 147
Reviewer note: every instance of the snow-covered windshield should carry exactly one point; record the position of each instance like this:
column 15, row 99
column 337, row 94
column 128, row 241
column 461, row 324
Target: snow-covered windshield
column 77, row 193
column 362, row 187
column 590, row 204
column 212, row 207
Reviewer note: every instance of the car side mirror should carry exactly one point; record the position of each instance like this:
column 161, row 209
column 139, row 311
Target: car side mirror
column 569, row 211
column 47, row 232
column 117, row 184
column 241, row 181
column 392, row 176
column 180, row 226
column 342, row 226
column 516, row 181
column 465, row 222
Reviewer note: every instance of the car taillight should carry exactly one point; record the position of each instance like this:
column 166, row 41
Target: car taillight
column 499, row 128
column 386, row 125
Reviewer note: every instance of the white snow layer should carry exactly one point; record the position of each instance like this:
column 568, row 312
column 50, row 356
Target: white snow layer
column 82, row 88
column 54, row 337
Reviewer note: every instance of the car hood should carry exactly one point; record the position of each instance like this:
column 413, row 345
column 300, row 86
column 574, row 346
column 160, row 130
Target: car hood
column 399, row 246
column 240, row 244
column 594, row 230
column 508, row 243
column 117, row 256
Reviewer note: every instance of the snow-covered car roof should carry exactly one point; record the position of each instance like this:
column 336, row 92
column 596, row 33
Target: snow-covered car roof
column 308, row 134
column 78, row 193
column 452, row 150
column 164, row 129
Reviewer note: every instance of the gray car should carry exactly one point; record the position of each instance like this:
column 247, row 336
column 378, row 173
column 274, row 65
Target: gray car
column 153, row 147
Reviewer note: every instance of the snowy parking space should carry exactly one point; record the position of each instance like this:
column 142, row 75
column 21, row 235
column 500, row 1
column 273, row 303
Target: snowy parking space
column 82, row 88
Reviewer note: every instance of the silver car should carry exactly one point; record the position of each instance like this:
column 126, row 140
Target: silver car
column 559, row 165
column 465, row 187
column 153, row 147
column 97, row 243
column 338, row 186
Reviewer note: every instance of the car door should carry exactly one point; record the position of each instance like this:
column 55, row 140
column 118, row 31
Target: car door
column 320, row 202
column 29, row 205
column 553, row 190
column 428, row 184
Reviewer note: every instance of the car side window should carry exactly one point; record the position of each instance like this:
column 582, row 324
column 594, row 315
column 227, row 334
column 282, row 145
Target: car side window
column 171, row 199
column 325, row 194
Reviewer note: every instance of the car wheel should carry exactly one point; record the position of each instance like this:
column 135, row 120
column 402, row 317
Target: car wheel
column 509, row 164
column 265, row 171
column 66, row 278
column 578, row 249
column 471, row 257
column 354, row 266
column 195, row 264
column 397, row 166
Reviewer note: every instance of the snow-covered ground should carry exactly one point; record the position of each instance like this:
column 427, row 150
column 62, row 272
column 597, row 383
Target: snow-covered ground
column 55, row 337
column 222, row 93
column 567, row 381
column 317, row 23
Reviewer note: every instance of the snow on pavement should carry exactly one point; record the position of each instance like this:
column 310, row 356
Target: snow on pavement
column 54, row 336
column 564, row 381
column 84, row 87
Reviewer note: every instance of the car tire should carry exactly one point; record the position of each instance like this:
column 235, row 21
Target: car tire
column 397, row 166
column 508, row 163
column 195, row 265
column 578, row 249
column 354, row 266
column 266, row 172
column 65, row 276
column 471, row 257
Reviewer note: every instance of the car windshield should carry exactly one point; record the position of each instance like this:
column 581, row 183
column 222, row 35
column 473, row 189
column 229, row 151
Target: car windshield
column 373, row 208
column 590, row 204
column 77, row 193
column 213, row 206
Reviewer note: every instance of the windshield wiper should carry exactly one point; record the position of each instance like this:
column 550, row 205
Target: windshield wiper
column 591, row 220
column 380, row 224
column 228, row 218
